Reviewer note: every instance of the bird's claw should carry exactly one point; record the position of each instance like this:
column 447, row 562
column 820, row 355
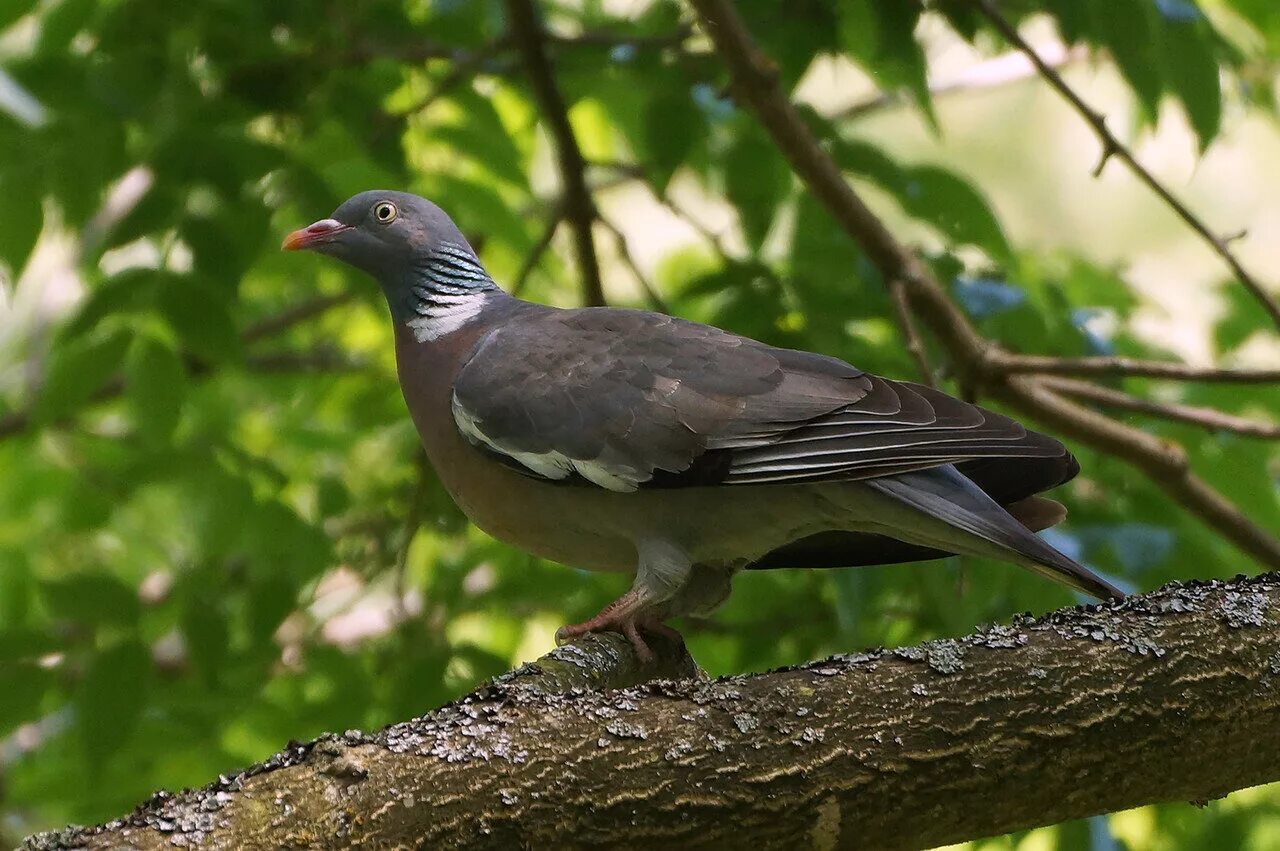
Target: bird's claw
column 628, row 626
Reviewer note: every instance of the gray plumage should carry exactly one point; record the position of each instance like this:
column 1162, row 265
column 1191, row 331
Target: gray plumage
column 638, row 420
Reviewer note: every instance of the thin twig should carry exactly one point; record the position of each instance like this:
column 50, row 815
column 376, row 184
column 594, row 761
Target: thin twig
column 613, row 40
column 579, row 208
column 535, row 254
column 1209, row 418
column 295, row 315
column 462, row 70
column 1112, row 147
column 910, row 334
column 756, row 85
column 651, row 292
column 412, row 523
column 990, row 74
column 1127, row 367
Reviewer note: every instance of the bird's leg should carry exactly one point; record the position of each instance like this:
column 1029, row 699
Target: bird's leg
column 663, row 569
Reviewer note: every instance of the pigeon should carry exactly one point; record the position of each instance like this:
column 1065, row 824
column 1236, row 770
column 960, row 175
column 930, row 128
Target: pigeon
column 623, row 440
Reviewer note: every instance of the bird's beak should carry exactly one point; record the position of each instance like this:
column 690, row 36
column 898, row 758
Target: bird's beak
column 314, row 234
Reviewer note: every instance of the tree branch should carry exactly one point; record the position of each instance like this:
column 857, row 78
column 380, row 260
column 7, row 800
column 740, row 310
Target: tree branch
column 1084, row 711
column 1127, row 367
column 534, row 256
column 1112, row 147
column 579, row 208
column 624, row 251
column 1209, row 418
column 755, row 84
column 910, row 334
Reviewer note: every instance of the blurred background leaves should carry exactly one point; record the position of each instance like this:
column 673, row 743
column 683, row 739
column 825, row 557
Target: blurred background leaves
column 217, row 532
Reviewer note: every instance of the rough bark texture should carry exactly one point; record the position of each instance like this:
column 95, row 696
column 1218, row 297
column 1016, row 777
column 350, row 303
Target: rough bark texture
column 1172, row 696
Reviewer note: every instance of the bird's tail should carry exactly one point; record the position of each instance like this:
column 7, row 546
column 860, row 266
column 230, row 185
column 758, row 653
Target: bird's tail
column 975, row 524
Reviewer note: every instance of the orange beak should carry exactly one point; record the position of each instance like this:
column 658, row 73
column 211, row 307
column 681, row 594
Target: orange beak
column 314, row 234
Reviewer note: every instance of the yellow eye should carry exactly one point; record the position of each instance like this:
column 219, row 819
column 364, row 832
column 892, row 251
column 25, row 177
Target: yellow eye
column 385, row 212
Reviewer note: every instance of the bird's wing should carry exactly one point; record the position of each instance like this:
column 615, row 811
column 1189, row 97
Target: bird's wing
column 627, row 399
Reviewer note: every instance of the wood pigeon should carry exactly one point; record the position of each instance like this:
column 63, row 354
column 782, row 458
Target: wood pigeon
column 624, row 440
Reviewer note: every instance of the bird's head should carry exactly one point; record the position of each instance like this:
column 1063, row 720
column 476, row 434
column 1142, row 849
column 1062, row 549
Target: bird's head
column 384, row 233
column 428, row 272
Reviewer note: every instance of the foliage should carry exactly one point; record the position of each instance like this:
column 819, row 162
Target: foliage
column 216, row 533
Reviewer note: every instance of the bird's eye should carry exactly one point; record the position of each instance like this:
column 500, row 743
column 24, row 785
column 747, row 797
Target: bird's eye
column 385, row 212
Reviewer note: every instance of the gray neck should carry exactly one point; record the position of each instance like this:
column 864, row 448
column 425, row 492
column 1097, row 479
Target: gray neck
column 447, row 290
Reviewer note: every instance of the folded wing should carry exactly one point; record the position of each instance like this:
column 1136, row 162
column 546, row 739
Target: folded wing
column 627, row 399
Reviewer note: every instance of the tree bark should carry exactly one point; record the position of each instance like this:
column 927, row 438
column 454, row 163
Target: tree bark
column 1171, row 696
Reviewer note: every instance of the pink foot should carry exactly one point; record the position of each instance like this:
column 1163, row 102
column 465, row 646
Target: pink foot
column 628, row 616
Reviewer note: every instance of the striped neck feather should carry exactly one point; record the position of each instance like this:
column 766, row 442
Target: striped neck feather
column 449, row 290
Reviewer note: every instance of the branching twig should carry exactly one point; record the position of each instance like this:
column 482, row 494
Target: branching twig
column 534, row 256
column 910, row 334
column 1209, row 418
column 1128, row 367
column 460, row 71
column 755, row 84
column 650, row 291
column 295, row 315
column 579, row 208
column 1112, row 147
column 990, row 74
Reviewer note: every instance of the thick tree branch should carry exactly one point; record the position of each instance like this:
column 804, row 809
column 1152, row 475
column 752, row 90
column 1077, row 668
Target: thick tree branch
column 579, row 208
column 1209, row 418
column 1083, row 711
column 755, row 84
column 1112, row 147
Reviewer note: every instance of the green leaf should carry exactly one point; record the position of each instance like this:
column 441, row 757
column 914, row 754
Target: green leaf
column 21, row 216
column 756, row 180
column 1240, row 322
column 1127, row 29
column 128, row 292
column 22, row 688
column 12, row 10
column 79, row 367
column 1191, row 68
column 155, row 384
column 932, row 194
column 90, row 598
column 672, row 124
column 200, row 315
column 110, row 699
column 881, row 36
column 204, row 627
column 951, row 204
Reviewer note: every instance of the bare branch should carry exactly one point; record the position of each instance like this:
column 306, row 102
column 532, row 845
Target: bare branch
column 1209, row 418
column 1127, row 367
column 1112, row 147
column 910, row 334
column 535, row 254
column 579, row 208
column 297, row 314
column 650, row 291
column 993, row 73
column 755, row 84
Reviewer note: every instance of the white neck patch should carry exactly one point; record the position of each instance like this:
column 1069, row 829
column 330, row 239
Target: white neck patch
column 446, row 314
